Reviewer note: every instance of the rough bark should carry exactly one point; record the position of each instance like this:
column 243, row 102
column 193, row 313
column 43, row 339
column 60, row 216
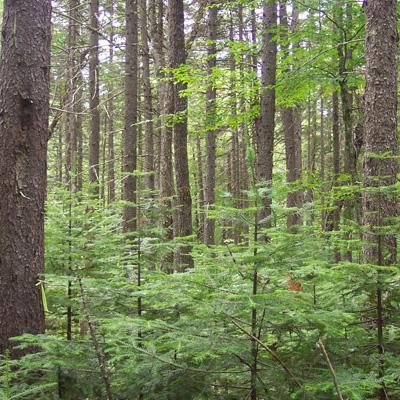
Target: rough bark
column 110, row 106
column 292, row 137
column 24, row 111
column 131, row 116
column 200, row 188
column 147, row 99
column 72, row 83
column 234, row 156
column 381, row 151
column 94, row 100
column 380, row 126
column 156, row 30
column 177, row 58
column 209, row 192
column 265, row 134
column 334, row 216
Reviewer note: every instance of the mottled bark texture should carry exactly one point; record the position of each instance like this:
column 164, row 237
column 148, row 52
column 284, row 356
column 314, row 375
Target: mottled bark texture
column 380, row 163
column 291, row 122
column 94, row 99
column 131, row 116
column 381, row 151
column 177, row 58
column 72, row 84
column 265, row 134
column 110, row 109
column 24, row 110
column 147, row 99
column 209, row 192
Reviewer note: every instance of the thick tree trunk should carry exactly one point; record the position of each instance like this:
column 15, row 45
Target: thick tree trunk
column 94, row 100
column 177, row 58
column 209, row 192
column 381, row 147
column 131, row 115
column 265, row 134
column 24, row 111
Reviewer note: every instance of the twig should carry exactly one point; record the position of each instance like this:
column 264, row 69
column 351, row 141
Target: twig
column 331, row 370
column 272, row 353
column 99, row 353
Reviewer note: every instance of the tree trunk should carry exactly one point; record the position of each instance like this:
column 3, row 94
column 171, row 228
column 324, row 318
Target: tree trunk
column 334, row 216
column 177, row 58
column 209, row 192
column 234, row 156
column 265, row 134
column 147, row 100
column 94, row 138
column 292, row 137
column 131, row 116
column 110, row 106
column 380, row 163
column 156, row 16
column 24, row 111
column 200, row 188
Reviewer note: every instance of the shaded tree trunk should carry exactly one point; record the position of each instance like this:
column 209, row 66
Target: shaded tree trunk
column 177, row 58
column 234, row 156
column 334, row 216
column 265, row 134
column 200, row 188
column 209, row 192
column 110, row 106
column 380, row 163
column 24, row 105
column 292, row 137
column 131, row 116
column 94, row 100
column 147, row 100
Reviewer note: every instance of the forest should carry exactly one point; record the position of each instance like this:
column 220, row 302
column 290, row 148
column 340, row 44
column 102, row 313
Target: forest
column 199, row 200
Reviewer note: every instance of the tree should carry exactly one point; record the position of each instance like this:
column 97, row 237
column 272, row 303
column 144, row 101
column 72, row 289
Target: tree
column 209, row 192
column 177, row 59
column 291, row 122
column 381, row 162
column 110, row 106
column 94, row 99
column 147, row 99
column 266, row 128
column 24, row 111
column 131, row 117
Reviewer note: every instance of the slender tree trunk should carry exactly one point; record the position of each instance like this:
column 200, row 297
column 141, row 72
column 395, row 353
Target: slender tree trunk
column 334, row 216
column 72, row 76
column 24, row 112
column 209, row 192
column 131, row 116
column 147, row 100
column 265, row 134
column 177, row 58
column 94, row 100
column 234, row 156
column 292, row 137
column 200, row 186
column 380, row 163
column 110, row 106
column 156, row 16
